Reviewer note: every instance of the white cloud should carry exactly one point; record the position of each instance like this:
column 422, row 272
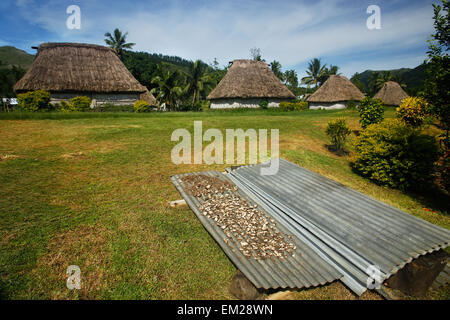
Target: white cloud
column 290, row 32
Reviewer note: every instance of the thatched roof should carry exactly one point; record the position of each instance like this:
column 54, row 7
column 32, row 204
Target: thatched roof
column 335, row 89
column 149, row 98
column 76, row 67
column 250, row 79
column 391, row 93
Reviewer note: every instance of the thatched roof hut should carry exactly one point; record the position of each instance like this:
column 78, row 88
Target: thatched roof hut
column 149, row 98
column 334, row 94
column 391, row 93
column 71, row 69
column 247, row 83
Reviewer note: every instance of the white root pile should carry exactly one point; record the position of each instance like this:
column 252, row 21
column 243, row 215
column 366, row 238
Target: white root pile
column 255, row 233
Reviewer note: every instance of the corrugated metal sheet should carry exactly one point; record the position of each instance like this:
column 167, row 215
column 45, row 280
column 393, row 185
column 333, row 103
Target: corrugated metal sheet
column 348, row 229
column 305, row 269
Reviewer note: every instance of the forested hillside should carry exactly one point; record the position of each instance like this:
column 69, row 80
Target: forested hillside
column 413, row 79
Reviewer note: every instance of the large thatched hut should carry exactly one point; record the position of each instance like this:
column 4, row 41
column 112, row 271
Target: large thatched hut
column 68, row 70
column 391, row 93
column 246, row 84
column 335, row 93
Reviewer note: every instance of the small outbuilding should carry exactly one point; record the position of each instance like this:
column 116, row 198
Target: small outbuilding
column 391, row 93
column 248, row 83
column 68, row 70
column 335, row 93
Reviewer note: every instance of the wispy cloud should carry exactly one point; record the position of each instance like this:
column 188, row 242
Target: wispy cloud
column 290, row 31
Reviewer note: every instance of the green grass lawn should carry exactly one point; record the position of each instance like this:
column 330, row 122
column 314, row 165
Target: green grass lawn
column 93, row 190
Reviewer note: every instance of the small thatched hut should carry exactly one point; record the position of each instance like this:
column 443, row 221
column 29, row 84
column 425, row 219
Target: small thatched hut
column 335, row 93
column 391, row 93
column 149, row 98
column 246, row 84
column 68, row 70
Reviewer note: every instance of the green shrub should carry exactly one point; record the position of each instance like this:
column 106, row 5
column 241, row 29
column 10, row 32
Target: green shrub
column 109, row 107
column 413, row 111
column 206, row 105
column 33, row 101
column 141, row 106
column 76, row 104
column 80, row 103
column 370, row 111
column 293, row 106
column 395, row 155
column 65, row 106
column 197, row 106
column 351, row 105
column 338, row 131
column 264, row 104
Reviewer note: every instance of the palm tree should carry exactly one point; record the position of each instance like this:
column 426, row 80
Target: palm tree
column 168, row 88
column 327, row 72
column 382, row 78
column 118, row 41
column 197, row 80
column 333, row 70
column 291, row 79
column 315, row 71
column 372, row 83
column 356, row 80
column 276, row 68
column 378, row 79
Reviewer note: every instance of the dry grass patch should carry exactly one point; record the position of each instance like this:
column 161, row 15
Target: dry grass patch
column 308, row 143
column 4, row 157
column 333, row 291
column 86, row 247
column 73, row 155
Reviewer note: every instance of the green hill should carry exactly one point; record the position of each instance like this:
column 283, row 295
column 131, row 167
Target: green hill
column 11, row 56
column 413, row 78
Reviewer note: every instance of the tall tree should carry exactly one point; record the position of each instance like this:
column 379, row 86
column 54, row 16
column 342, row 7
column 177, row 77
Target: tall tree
column 314, row 72
column 255, row 53
column 372, row 83
column 291, row 80
column 437, row 82
column 276, row 68
column 216, row 73
column 118, row 41
column 197, row 80
column 168, row 86
column 327, row 72
column 356, row 80
column 382, row 78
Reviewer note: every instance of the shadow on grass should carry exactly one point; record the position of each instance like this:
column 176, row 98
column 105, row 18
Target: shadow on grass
column 339, row 152
column 428, row 194
column 432, row 198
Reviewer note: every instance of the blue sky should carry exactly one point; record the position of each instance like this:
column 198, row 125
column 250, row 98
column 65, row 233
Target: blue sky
column 292, row 32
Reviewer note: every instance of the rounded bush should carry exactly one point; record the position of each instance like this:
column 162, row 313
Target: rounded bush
column 395, row 155
column 80, row 103
column 264, row 104
column 33, row 101
column 141, row 106
column 370, row 111
column 412, row 111
column 293, row 106
column 65, row 106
